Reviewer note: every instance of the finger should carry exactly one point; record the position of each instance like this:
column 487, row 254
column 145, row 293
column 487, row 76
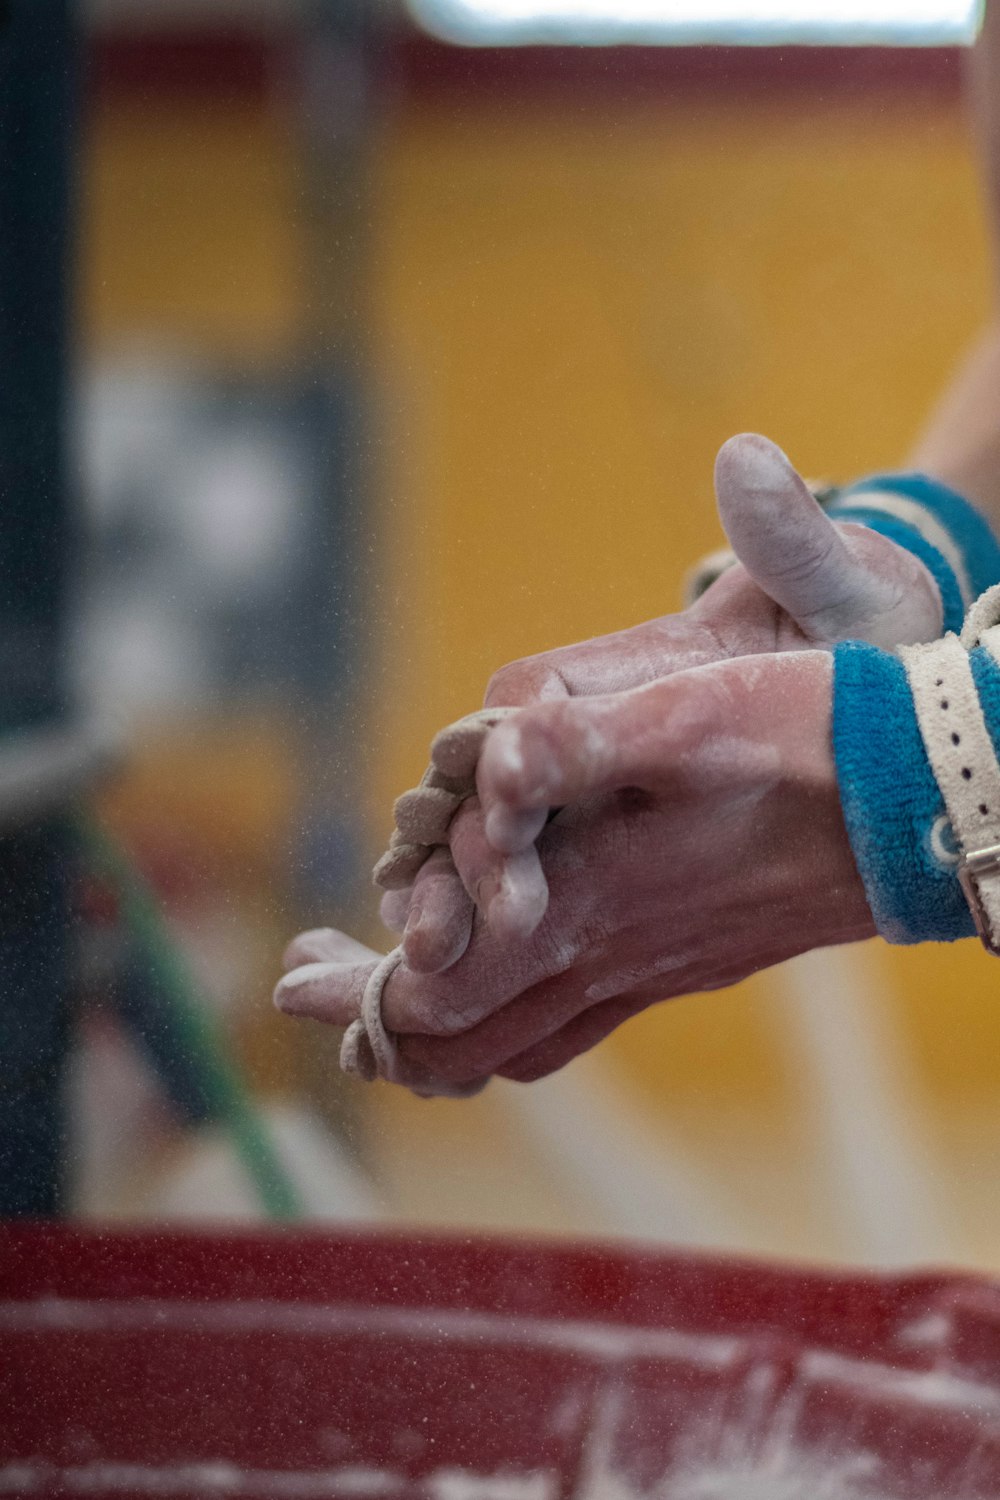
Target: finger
column 439, row 920
column 455, row 750
column 329, row 992
column 422, row 814
column 541, row 678
column 720, row 722
column 394, row 909
column 604, row 664
column 579, row 1035
column 487, row 1047
column 557, row 753
column 510, row 890
column 491, row 973
column 398, row 866
column 833, row 580
column 511, row 829
column 324, row 945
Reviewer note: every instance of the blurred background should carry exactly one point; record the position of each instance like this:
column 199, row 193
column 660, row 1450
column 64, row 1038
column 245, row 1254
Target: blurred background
column 396, row 352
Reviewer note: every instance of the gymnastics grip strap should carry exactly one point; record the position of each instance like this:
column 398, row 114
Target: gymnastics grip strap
column 916, row 742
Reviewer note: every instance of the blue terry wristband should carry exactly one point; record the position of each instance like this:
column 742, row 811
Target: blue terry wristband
column 937, row 525
column 895, row 815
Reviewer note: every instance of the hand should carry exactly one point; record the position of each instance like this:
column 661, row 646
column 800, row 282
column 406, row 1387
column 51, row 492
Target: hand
column 803, row 581
column 700, row 839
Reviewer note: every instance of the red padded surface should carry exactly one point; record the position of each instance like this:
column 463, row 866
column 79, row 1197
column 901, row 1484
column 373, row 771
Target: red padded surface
column 378, row 1365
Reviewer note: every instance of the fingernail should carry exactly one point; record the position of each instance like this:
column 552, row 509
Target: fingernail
column 763, row 463
column 509, row 753
column 504, row 828
column 510, row 830
column 515, row 918
column 523, row 898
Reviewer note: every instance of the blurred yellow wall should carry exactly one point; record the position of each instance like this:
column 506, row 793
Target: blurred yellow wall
column 573, row 307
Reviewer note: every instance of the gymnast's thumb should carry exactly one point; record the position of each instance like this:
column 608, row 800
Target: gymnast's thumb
column 795, row 553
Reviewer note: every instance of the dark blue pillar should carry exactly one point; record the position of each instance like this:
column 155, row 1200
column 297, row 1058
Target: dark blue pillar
column 37, row 89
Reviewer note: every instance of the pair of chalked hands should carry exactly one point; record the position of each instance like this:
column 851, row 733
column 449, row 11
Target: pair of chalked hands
column 640, row 816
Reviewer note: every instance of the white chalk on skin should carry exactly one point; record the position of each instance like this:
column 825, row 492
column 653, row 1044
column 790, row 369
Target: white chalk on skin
column 523, row 897
column 369, row 1050
column 424, row 813
column 455, row 749
column 308, row 973
column 511, row 831
column 809, row 564
column 400, row 863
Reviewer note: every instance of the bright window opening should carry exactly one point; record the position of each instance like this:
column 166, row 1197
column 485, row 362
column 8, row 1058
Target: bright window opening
column 844, row 22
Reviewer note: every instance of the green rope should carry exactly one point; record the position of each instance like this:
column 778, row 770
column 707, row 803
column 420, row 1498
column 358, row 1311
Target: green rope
column 224, row 1087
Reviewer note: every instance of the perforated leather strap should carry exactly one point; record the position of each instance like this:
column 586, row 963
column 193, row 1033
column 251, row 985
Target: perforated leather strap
column 965, row 766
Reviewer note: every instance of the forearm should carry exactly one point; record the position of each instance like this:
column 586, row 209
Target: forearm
column 961, row 445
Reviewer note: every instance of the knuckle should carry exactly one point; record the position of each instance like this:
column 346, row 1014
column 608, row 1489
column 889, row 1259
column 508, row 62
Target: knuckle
column 530, row 679
column 804, row 566
column 509, row 684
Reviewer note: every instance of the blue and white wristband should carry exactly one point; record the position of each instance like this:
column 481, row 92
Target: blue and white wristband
column 917, row 747
column 933, row 522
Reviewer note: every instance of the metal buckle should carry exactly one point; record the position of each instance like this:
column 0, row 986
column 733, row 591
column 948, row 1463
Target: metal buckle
column 972, row 866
